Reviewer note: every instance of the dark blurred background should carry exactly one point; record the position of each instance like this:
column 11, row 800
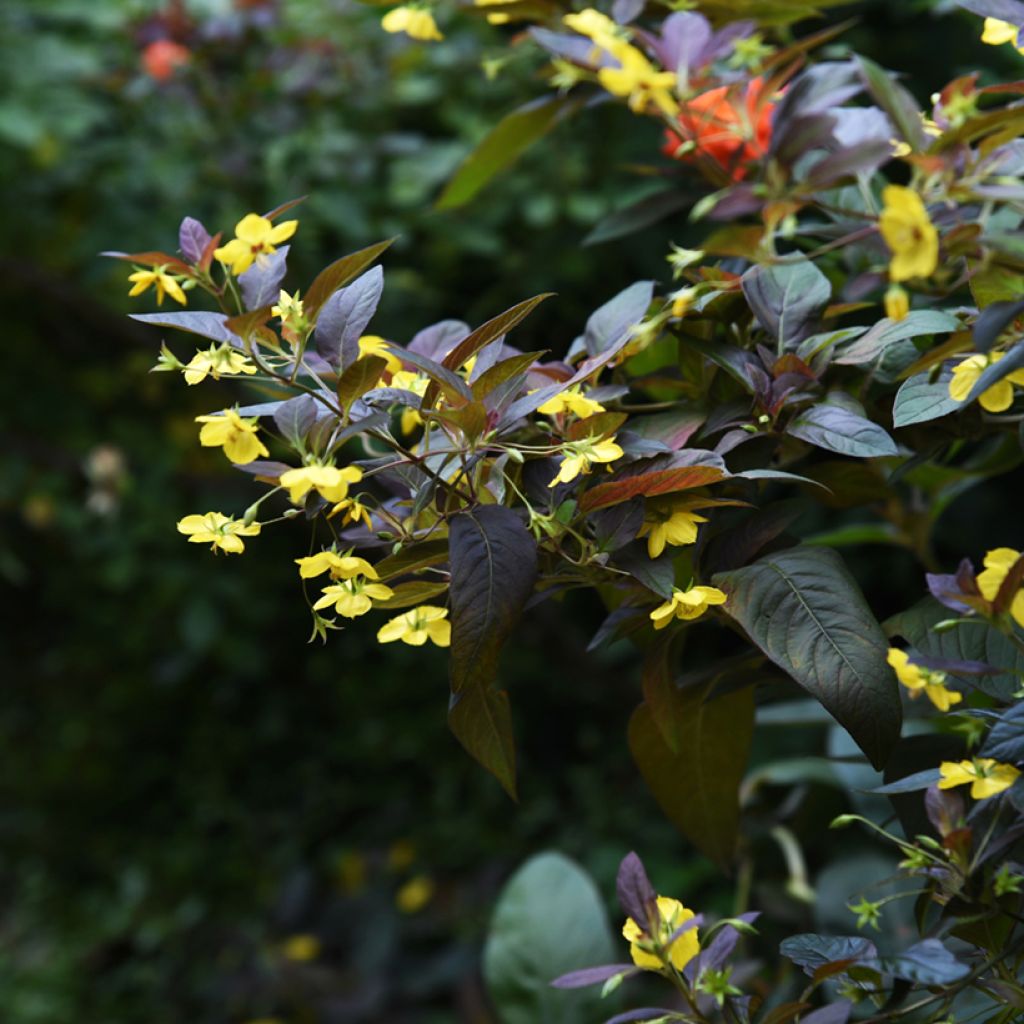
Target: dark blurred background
column 203, row 818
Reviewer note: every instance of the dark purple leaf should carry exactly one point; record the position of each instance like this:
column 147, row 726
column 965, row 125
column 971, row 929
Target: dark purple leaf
column 593, row 975
column 650, row 1013
column 837, row 1013
column 193, row 239
column 625, row 11
column 811, row 951
column 637, row 897
column 1005, row 10
column 617, row 526
column 613, row 322
column 656, row 574
column 839, row 430
column 945, row 809
column 925, row 963
column 208, row 325
column 943, row 587
column 960, row 667
column 339, row 273
column 912, row 783
column 685, row 37
column 1006, row 740
column 437, row 340
column 893, row 98
column 261, row 283
column 787, row 298
column 865, row 157
column 295, row 418
column 992, row 321
column 344, row 316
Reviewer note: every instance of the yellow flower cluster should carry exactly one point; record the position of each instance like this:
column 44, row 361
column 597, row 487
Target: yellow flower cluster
column 217, row 361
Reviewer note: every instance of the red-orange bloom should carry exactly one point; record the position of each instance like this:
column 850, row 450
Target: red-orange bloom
column 160, row 58
column 724, row 126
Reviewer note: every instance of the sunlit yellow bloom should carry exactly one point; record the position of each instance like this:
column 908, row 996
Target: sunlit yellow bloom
column 415, row 894
column 301, row 948
column 236, row 436
column 254, row 236
column 920, row 680
column 997, row 32
column 966, row 373
column 353, row 597
column 217, row 361
column 581, row 455
column 354, row 512
column 640, row 82
column 998, row 564
column 897, row 303
column 371, row 345
column 416, row 22
column 341, row 567
column 686, row 604
column 417, row 383
column 164, row 282
column 417, row 626
column 669, row 523
column 571, row 401
column 672, row 915
column 331, row 482
column 909, row 234
column 218, row 530
column 986, row 776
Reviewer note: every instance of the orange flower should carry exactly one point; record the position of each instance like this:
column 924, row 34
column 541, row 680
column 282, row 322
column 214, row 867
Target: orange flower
column 159, row 59
column 724, row 126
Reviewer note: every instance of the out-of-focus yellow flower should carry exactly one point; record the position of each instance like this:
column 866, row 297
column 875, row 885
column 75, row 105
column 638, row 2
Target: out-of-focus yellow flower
column 331, row 482
column 417, row 626
column 581, row 455
column 998, row 564
column 235, row 435
column 920, row 680
column 254, row 236
column 415, row 22
column 640, row 82
column 966, row 373
column 669, row 522
column 353, row 597
column 415, row 894
column 996, row 33
column 371, row 345
column 571, row 401
column 986, row 776
column 217, row 361
column 596, row 26
column 341, row 567
column 417, row 383
column 352, row 871
column 401, row 855
column 300, row 948
column 165, row 285
column 687, row 604
column 218, row 530
column 672, row 915
column 909, row 234
column 682, row 300
column 897, row 302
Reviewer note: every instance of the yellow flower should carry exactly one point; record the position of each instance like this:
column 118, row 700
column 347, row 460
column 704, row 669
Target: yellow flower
column 638, row 80
column 682, row 300
column 414, row 895
column 217, row 361
column 355, row 512
column 966, row 373
column 909, row 233
column 998, row 564
column 401, row 856
column 341, row 567
column 897, row 303
column 371, row 345
column 986, row 776
column 236, row 436
column 672, row 915
column 415, row 22
column 920, row 680
column 596, row 26
column 417, row 626
column 687, row 604
column 416, row 383
column 331, row 482
column 353, row 597
column 301, row 948
column 669, row 523
column 997, row 32
column 581, row 455
column 290, row 310
column 164, row 282
column 218, row 530
column 571, row 401
column 254, row 236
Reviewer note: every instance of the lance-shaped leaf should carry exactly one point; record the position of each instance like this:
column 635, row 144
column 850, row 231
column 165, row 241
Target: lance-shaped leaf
column 359, row 378
column 637, row 897
column 871, row 345
column 261, row 283
column 338, row 274
column 193, row 239
column 921, row 399
column 493, row 567
column 207, row 325
column 805, row 611
column 992, row 321
column 1005, row 10
column 925, row 963
column 1006, row 740
column 811, row 951
column 841, row 430
column 344, row 317
column 697, row 786
column 902, row 108
column 787, row 298
column 613, row 321
column 668, row 474
column 295, row 418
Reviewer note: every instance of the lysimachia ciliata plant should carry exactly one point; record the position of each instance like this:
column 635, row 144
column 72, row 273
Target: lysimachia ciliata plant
column 847, row 334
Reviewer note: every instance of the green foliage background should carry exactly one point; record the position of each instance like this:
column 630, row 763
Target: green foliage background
column 183, row 782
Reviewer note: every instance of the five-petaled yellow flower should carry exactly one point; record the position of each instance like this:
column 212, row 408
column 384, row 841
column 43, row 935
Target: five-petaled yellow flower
column 353, row 597
column 341, row 567
column 417, row 626
column 672, row 915
column 986, row 776
column 218, row 530
column 997, row 32
column 687, row 604
column 354, row 512
column 920, row 680
column 571, row 401
column 581, row 455
column 290, row 309
column 164, row 282
column 640, row 82
column 416, row 383
column 235, row 435
column 669, row 522
column 997, row 398
column 909, row 233
column 254, row 236
column 217, row 361
column 371, row 345
column 331, row 482
column 415, row 22
column 998, row 564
